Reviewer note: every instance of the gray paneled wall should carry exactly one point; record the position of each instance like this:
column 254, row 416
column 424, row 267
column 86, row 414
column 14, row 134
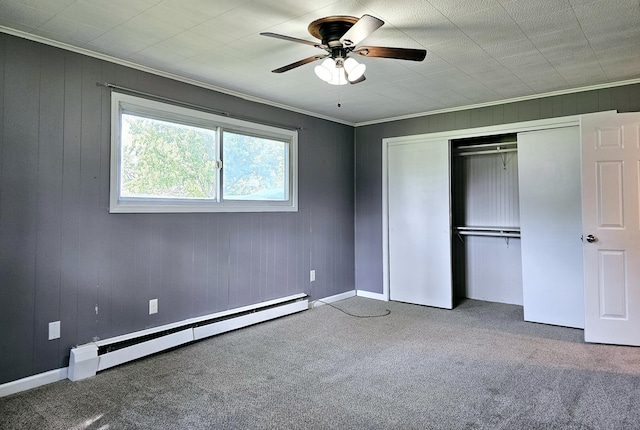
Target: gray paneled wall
column 368, row 234
column 62, row 254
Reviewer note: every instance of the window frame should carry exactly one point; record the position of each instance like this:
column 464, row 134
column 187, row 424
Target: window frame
column 130, row 104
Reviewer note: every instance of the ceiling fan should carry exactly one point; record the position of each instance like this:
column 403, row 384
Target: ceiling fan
column 339, row 37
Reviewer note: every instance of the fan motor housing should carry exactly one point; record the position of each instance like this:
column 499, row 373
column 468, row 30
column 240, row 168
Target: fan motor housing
column 331, row 28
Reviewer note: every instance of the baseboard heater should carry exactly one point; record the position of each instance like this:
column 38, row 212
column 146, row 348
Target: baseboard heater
column 88, row 359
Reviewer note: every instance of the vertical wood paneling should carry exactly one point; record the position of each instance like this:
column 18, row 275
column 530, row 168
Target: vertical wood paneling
column 6, row 362
column 546, row 108
column 482, row 117
column 222, row 242
column 139, row 293
column 511, row 113
column 123, row 275
column 557, row 105
column 88, row 227
column 3, row 62
column 69, row 247
column 256, row 281
column 587, row 102
column 108, row 75
column 161, row 267
column 105, row 221
column 621, row 99
column 200, row 266
column 49, row 224
column 18, row 208
column 181, row 291
column 105, row 275
column 569, row 104
column 68, row 254
column 463, row 119
column 279, row 257
column 529, row 110
column 490, row 191
column 498, row 114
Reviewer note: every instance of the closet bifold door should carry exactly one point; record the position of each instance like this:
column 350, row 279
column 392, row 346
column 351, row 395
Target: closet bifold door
column 419, row 223
column 551, row 226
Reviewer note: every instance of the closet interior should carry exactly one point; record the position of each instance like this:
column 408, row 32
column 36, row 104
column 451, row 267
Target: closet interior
column 485, row 210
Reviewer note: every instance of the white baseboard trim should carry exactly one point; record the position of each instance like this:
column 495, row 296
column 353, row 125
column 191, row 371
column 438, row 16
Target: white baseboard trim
column 370, row 295
column 331, row 299
column 33, row 381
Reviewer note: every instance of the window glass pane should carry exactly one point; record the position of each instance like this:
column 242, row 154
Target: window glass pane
column 166, row 160
column 254, row 168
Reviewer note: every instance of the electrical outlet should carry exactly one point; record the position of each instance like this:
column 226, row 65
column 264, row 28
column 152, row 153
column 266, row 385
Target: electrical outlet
column 312, row 275
column 153, row 306
column 54, row 330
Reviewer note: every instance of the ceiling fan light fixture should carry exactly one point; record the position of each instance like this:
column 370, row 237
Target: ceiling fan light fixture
column 353, row 69
column 329, row 72
column 340, row 36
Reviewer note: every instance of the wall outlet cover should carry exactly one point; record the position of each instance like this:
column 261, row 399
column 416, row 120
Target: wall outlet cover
column 54, row 330
column 153, row 306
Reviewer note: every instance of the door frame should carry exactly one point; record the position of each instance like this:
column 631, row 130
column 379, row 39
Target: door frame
column 516, row 127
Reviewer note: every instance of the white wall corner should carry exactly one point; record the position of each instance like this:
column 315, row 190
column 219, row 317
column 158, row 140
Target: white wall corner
column 83, row 362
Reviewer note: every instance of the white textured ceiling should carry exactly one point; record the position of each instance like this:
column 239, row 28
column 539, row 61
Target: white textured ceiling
column 479, row 51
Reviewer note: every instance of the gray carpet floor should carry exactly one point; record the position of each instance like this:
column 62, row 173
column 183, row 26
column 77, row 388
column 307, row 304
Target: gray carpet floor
column 479, row 366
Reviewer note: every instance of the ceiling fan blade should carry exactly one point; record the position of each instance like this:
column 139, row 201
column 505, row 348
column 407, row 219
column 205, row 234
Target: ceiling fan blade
column 292, row 39
column 299, row 63
column 360, row 30
column 397, row 53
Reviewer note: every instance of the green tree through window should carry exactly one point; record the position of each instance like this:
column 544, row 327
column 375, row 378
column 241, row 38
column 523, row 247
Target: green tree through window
column 254, row 168
column 167, row 160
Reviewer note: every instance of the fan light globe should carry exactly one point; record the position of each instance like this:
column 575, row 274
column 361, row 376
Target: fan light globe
column 354, row 69
column 325, row 70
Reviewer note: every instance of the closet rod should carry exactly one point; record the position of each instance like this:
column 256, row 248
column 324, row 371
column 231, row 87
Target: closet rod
column 487, row 145
column 487, row 233
column 487, row 228
column 487, row 151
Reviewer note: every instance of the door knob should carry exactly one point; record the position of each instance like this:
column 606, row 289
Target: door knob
column 591, row 238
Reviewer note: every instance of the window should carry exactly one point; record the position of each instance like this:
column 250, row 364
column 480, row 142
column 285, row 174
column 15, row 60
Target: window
column 167, row 158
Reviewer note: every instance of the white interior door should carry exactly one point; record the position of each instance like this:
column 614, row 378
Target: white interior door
column 550, row 226
column 611, row 227
column 419, row 223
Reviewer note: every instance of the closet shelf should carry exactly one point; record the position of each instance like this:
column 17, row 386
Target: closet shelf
column 488, row 231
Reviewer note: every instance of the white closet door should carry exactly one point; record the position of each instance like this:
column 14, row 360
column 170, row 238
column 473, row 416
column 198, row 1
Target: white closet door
column 551, row 226
column 611, row 216
column 419, row 223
